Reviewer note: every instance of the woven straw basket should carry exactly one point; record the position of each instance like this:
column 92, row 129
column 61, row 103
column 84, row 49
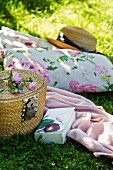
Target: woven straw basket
column 12, row 119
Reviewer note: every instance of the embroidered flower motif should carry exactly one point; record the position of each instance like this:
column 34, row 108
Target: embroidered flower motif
column 74, row 86
column 32, row 85
column 16, row 78
column 74, row 54
column 21, row 91
column 28, row 44
column 17, row 36
column 51, row 127
column 31, row 44
column 100, row 70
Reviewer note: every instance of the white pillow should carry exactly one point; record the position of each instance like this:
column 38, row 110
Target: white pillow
column 66, row 69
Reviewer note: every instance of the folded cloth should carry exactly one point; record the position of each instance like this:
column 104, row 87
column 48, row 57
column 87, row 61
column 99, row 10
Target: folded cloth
column 93, row 126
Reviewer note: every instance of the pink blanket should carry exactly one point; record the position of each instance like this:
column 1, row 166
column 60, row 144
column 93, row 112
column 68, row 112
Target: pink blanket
column 93, row 126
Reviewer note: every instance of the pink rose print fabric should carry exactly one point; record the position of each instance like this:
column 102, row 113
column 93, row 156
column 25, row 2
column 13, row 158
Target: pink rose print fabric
column 14, row 39
column 23, row 63
column 66, row 69
column 74, row 86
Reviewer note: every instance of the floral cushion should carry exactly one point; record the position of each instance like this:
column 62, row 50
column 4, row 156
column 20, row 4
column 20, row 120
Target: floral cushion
column 13, row 39
column 63, row 68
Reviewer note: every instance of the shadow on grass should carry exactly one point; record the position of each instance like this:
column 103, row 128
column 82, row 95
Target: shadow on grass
column 37, row 6
column 23, row 149
column 6, row 15
column 82, row 149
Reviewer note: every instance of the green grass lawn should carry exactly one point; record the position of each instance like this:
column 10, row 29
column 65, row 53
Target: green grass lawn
column 42, row 18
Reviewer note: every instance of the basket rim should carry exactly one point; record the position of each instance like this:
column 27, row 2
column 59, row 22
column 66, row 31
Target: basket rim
column 15, row 97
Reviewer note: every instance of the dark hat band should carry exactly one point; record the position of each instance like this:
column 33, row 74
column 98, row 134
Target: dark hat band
column 61, row 37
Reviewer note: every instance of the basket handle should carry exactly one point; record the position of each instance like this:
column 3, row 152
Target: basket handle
column 30, row 108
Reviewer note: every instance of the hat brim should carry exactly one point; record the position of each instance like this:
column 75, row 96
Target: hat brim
column 80, row 37
column 60, row 44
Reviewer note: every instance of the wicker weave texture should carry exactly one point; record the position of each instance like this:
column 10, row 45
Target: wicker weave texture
column 11, row 106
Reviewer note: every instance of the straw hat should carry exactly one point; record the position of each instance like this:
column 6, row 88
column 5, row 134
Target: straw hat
column 76, row 37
